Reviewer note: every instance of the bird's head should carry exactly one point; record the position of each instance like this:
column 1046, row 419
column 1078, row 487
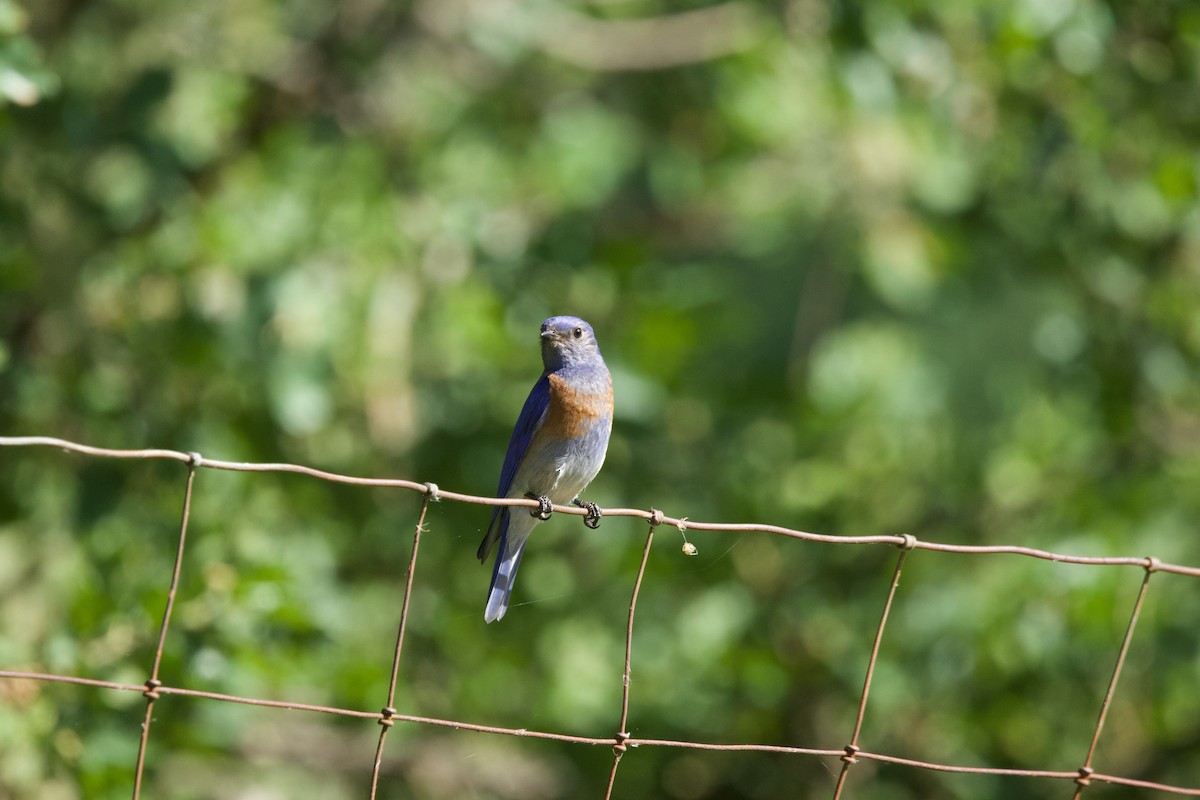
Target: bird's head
column 567, row 341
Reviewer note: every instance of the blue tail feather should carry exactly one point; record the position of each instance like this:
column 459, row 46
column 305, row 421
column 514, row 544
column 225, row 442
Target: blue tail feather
column 504, row 574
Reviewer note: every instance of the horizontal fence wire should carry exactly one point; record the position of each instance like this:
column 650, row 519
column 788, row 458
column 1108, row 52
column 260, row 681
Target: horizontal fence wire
column 621, row 741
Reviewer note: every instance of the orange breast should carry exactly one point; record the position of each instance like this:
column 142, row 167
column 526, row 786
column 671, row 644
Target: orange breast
column 572, row 412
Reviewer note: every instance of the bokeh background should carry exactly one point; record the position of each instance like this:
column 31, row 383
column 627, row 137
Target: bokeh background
column 889, row 267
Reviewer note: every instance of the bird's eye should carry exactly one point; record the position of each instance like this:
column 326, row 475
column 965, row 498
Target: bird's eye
column 577, row 333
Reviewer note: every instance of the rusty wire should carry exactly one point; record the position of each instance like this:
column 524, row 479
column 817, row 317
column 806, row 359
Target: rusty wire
column 153, row 689
column 388, row 714
column 850, row 756
column 153, row 683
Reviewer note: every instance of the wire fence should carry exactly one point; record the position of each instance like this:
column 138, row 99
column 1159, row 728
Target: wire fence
column 620, row 741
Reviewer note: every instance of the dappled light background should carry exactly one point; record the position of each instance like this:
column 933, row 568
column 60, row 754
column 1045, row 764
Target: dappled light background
column 898, row 267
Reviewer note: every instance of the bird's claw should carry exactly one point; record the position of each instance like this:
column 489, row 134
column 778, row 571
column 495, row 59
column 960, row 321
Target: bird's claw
column 544, row 509
column 594, row 512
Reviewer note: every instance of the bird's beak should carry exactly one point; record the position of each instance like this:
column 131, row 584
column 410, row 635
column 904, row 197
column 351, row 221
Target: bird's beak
column 549, row 334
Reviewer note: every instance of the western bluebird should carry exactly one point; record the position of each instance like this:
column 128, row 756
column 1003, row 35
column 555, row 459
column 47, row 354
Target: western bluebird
column 556, row 448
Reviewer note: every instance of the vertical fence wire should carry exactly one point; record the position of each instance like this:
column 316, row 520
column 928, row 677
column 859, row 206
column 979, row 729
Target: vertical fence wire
column 622, row 734
column 153, row 683
column 852, row 749
column 1086, row 771
column 389, row 712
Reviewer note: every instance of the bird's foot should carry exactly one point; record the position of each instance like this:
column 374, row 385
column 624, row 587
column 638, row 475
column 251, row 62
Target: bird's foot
column 594, row 512
column 544, row 509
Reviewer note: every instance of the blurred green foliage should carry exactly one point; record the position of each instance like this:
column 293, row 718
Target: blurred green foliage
column 857, row 268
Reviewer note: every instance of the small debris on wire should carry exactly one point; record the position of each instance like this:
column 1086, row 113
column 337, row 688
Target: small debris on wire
column 688, row 548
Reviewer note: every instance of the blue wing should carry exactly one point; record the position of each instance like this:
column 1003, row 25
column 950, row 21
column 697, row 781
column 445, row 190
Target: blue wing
column 532, row 416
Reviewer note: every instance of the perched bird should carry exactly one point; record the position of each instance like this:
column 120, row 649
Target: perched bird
column 556, row 448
